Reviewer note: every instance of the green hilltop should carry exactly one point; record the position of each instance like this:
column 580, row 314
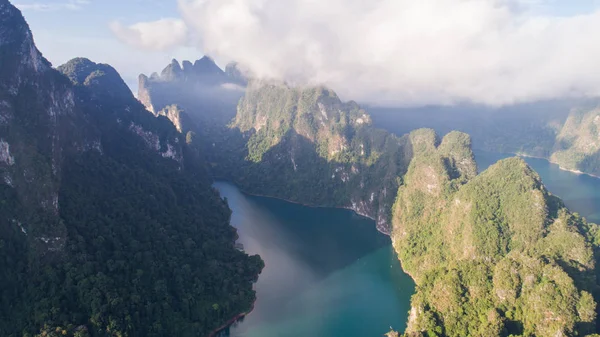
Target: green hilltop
column 307, row 146
column 494, row 254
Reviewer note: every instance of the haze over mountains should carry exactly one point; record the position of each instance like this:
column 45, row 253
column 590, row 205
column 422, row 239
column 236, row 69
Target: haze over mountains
column 300, row 144
column 562, row 131
column 391, row 52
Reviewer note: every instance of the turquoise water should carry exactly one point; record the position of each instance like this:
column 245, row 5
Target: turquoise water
column 580, row 192
column 328, row 272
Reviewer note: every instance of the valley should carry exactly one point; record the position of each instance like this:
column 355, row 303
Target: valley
column 328, row 272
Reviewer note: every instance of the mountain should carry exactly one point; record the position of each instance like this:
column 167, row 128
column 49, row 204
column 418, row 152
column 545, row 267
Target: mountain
column 236, row 74
column 300, row 144
column 307, row 146
column 577, row 145
column 109, row 225
column 561, row 131
column 494, row 254
column 193, row 96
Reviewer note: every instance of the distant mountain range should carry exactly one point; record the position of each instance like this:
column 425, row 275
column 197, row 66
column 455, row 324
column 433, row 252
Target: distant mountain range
column 562, row 131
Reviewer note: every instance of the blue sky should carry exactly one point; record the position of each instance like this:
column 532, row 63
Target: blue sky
column 66, row 29
column 541, row 49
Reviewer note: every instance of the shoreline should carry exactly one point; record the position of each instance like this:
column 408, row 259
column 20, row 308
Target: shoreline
column 227, row 324
column 234, row 319
column 243, row 314
column 559, row 166
column 302, row 204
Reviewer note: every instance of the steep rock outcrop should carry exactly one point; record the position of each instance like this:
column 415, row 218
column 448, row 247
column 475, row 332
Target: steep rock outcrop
column 494, row 254
column 202, row 94
column 103, row 91
column 109, row 225
column 300, row 144
column 37, row 106
column 306, row 145
column 577, row 145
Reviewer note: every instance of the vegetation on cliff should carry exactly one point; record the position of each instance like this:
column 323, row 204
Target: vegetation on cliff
column 297, row 143
column 494, row 254
column 578, row 144
column 109, row 225
column 306, row 145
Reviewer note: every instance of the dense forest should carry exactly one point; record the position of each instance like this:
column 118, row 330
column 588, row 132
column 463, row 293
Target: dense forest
column 109, row 225
column 494, row 254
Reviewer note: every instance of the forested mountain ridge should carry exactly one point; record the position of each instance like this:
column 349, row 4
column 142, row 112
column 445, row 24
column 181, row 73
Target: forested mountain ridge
column 577, row 145
column 494, row 254
column 109, row 225
column 304, row 144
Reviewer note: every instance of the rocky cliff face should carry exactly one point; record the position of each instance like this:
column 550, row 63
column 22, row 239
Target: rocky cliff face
column 37, row 106
column 300, row 144
column 577, row 145
column 108, row 222
column 198, row 95
column 494, row 254
column 42, row 123
column 102, row 91
column 306, row 145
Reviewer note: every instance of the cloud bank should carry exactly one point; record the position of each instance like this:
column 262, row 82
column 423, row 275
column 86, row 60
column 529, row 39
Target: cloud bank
column 404, row 52
column 157, row 35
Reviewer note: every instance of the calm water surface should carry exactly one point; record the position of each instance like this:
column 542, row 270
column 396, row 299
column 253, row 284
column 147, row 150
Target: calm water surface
column 328, row 272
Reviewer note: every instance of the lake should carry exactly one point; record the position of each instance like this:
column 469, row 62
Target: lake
column 328, row 272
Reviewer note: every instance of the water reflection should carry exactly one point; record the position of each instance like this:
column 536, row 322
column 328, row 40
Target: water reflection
column 328, row 271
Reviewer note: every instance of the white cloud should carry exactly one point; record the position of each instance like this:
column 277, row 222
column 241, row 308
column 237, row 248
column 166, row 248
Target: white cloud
column 157, row 35
column 405, row 51
column 72, row 5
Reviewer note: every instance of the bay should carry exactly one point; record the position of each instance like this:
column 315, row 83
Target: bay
column 328, row 272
